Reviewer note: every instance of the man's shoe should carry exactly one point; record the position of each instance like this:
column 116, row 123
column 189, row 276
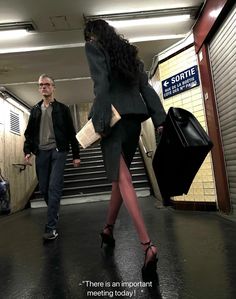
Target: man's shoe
column 52, row 235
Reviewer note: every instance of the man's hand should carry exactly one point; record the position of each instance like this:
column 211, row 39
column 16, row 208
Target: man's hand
column 27, row 159
column 76, row 162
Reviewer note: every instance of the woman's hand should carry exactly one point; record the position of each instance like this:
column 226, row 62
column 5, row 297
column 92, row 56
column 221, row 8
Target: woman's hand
column 76, row 162
column 159, row 130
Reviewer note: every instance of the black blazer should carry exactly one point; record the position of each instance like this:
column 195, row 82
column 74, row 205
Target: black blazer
column 139, row 99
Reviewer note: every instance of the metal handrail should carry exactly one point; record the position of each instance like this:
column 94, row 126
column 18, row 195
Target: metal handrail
column 148, row 153
column 21, row 166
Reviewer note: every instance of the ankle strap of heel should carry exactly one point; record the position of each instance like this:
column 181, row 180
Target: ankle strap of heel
column 109, row 227
column 149, row 246
column 147, row 243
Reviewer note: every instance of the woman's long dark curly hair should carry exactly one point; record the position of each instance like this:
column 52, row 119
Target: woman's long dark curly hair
column 123, row 56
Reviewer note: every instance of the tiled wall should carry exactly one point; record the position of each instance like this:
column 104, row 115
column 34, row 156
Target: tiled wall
column 203, row 187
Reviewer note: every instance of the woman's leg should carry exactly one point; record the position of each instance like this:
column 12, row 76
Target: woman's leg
column 114, row 206
column 131, row 202
column 113, row 210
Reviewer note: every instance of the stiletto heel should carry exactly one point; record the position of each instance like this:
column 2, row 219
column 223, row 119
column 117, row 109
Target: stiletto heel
column 149, row 269
column 108, row 238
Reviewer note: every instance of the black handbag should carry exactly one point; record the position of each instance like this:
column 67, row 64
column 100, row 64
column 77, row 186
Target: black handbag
column 181, row 151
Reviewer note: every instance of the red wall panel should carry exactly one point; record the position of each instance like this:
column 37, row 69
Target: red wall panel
column 212, row 15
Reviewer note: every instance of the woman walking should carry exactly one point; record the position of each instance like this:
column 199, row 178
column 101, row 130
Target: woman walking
column 120, row 80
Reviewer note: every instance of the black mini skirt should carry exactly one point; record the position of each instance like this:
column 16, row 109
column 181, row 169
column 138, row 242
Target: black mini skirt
column 123, row 140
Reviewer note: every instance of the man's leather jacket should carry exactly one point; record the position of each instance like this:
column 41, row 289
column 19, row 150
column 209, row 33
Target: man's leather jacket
column 63, row 129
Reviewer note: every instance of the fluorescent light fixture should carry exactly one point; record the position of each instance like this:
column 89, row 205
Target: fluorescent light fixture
column 56, row 80
column 15, row 30
column 13, row 34
column 155, row 37
column 12, row 98
column 40, row 48
column 148, row 21
column 17, row 104
column 161, row 16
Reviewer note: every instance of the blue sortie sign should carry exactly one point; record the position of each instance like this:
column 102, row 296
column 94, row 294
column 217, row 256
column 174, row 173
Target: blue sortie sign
column 180, row 82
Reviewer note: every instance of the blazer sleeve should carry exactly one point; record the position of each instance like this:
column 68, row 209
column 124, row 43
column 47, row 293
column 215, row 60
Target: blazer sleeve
column 101, row 109
column 151, row 98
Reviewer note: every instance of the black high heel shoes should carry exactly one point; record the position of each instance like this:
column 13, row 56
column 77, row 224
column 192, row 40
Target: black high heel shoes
column 149, row 269
column 108, row 238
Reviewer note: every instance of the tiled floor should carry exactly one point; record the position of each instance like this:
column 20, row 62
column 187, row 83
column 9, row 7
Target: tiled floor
column 197, row 255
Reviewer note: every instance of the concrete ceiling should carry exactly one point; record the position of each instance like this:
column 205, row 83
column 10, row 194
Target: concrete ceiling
column 56, row 47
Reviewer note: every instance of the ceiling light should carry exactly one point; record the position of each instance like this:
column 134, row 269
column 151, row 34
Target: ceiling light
column 149, row 21
column 12, row 34
column 40, row 48
column 15, row 30
column 156, row 37
column 10, row 96
column 163, row 16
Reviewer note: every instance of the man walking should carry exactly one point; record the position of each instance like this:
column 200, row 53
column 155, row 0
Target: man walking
column 49, row 134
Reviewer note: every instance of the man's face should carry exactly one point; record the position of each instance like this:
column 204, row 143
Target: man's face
column 46, row 87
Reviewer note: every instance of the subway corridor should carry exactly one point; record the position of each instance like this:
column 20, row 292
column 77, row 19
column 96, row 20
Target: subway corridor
column 196, row 255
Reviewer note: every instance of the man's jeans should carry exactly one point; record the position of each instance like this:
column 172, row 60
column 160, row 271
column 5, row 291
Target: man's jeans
column 50, row 166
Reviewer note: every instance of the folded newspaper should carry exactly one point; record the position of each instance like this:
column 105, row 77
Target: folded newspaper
column 87, row 135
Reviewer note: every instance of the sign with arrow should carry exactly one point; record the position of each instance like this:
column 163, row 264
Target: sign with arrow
column 180, row 82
